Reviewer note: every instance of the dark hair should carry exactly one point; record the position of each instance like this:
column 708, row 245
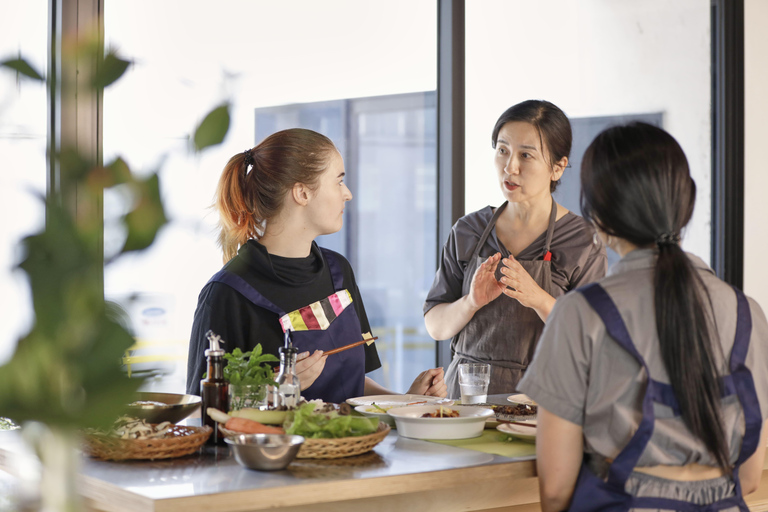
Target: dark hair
column 254, row 183
column 636, row 185
column 551, row 124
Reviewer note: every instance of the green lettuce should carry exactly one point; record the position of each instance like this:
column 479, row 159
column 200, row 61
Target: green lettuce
column 308, row 423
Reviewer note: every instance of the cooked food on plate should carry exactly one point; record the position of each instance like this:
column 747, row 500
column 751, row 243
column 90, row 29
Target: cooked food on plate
column 442, row 412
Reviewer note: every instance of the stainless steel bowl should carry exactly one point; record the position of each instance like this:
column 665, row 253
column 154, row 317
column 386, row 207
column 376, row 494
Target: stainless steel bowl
column 265, row 452
column 160, row 407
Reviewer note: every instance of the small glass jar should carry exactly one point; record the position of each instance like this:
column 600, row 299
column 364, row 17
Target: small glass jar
column 245, row 396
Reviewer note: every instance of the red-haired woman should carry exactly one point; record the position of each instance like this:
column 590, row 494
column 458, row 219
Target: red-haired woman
column 273, row 201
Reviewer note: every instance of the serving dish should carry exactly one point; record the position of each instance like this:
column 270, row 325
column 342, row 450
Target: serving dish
column 373, row 411
column 520, row 398
column 160, row 407
column 265, row 452
column 399, row 400
column 331, row 448
column 521, row 430
column 410, row 423
column 178, row 441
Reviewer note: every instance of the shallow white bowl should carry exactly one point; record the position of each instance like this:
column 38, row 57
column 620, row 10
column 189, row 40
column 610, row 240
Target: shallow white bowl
column 470, row 423
column 369, row 410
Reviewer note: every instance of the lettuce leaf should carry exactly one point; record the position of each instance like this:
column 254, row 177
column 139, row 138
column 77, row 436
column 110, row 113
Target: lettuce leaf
column 323, row 425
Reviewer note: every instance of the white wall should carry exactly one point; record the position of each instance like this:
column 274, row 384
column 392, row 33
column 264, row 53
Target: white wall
column 756, row 134
column 591, row 58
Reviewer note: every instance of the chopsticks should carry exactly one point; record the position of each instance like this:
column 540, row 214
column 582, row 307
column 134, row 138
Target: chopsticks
column 351, row 345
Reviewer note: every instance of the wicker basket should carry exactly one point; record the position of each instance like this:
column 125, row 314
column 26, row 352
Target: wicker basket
column 335, row 448
column 342, row 446
column 179, row 441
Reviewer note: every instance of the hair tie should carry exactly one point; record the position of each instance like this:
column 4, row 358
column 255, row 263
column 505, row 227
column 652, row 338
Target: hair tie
column 248, row 159
column 668, row 239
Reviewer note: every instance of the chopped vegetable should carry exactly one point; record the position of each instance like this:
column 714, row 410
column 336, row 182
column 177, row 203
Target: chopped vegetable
column 305, row 421
column 380, row 409
column 247, row 426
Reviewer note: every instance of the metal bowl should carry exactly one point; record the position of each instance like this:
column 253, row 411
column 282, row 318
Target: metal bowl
column 265, row 452
column 160, row 407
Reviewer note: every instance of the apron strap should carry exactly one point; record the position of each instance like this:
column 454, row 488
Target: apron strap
column 488, row 228
column 739, row 381
column 625, row 462
column 245, row 289
column 550, row 231
column 745, row 386
column 333, row 265
column 497, row 213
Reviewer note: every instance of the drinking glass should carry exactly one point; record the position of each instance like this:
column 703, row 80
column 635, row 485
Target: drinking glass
column 473, row 381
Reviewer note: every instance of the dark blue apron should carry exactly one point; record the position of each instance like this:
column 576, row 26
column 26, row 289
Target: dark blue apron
column 594, row 494
column 344, row 373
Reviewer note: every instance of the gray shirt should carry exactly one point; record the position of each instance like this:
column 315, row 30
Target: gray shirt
column 581, row 375
column 575, row 259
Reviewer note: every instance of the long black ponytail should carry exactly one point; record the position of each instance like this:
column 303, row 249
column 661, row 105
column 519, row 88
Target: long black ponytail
column 636, row 185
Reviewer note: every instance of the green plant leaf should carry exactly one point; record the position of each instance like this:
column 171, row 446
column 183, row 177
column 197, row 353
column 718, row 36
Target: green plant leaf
column 147, row 217
column 213, row 128
column 22, row 67
column 110, row 69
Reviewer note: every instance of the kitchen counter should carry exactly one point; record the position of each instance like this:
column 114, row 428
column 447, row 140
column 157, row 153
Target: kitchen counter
column 399, row 474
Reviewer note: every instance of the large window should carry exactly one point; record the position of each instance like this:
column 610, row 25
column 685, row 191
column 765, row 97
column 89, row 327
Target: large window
column 22, row 159
column 352, row 70
column 601, row 62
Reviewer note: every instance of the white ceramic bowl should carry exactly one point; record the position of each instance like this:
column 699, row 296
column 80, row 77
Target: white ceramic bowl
column 470, row 423
column 370, row 410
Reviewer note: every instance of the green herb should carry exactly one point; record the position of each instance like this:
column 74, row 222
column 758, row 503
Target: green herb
column 249, row 368
column 308, row 423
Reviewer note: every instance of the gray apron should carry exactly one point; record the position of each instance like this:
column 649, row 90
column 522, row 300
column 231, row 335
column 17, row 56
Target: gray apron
column 503, row 332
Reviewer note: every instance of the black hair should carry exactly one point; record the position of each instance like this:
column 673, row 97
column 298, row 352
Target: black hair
column 551, row 124
column 636, row 185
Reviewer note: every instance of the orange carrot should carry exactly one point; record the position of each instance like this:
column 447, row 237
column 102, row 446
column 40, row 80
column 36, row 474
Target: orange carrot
column 247, row 426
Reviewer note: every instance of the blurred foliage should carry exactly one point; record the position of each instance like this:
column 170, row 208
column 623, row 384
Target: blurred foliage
column 213, row 128
column 66, row 371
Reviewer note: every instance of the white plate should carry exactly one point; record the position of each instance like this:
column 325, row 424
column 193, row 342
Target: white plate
column 521, row 399
column 369, row 410
column 399, row 400
column 470, row 423
column 520, row 431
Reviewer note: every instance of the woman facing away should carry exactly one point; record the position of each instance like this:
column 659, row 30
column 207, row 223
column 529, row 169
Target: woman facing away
column 273, row 201
column 652, row 383
column 502, row 268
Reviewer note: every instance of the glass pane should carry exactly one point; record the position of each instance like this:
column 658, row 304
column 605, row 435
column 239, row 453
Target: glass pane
column 602, row 63
column 362, row 75
column 22, row 156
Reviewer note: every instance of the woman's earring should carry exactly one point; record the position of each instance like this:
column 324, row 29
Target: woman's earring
column 595, row 239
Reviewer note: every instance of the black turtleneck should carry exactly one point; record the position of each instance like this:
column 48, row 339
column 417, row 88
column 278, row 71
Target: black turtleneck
column 289, row 283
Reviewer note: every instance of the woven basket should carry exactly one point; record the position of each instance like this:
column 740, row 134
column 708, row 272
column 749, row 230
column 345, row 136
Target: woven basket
column 179, row 441
column 342, row 446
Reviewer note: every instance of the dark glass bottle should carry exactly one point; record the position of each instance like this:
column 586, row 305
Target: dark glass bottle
column 214, row 390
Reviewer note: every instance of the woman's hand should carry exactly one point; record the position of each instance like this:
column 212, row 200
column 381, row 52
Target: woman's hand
column 430, row 382
column 484, row 287
column 309, row 367
column 520, row 286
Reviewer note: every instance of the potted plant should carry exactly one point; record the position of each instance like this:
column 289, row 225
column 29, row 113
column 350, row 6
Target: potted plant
column 249, row 376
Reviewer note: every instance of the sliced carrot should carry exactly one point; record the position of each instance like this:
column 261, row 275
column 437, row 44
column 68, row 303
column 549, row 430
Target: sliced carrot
column 247, row 426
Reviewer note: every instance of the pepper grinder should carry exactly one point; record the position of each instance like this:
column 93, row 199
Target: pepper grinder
column 214, row 390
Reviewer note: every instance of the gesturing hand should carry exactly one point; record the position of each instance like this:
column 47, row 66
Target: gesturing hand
column 484, row 287
column 519, row 285
column 309, row 367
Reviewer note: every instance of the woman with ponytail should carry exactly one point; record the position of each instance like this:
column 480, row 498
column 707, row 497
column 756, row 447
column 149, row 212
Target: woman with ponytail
column 273, row 201
column 652, row 383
